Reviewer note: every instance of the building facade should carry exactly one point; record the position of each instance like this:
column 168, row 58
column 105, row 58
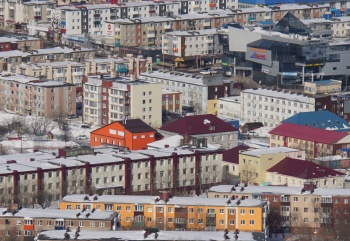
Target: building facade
column 178, row 213
column 27, row 95
column 110, row 99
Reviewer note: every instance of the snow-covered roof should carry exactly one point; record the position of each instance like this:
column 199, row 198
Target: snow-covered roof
column 55, row 213
column 180, row 201
column 272, row 150
column 188, row 33
column 322, row 191
column 280, row 95
column 138, row 235
column 17, row 77
column 49, row 83
column 61, row 64
column 171, row 141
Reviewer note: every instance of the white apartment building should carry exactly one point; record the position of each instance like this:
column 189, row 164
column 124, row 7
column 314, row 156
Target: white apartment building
column 229, row 107
column 273, row 106
column 81, row 19
column 110, row 99
column 191, row 43
column 196, row 89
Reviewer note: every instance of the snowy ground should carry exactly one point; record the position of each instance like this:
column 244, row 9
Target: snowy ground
column 28, row 142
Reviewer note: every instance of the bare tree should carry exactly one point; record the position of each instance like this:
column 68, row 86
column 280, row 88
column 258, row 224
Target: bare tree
column 44, row 198
column 3, row 150
column 248, row 173
column 76, row 181
column 60, row 115
column 19, row 125
column 41, row 126
column 12, row 234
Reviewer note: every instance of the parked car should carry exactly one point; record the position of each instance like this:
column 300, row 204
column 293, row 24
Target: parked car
column 205, row 71
column 208, row 71
column 82, row 137
column 73, row 116
column 85, row 126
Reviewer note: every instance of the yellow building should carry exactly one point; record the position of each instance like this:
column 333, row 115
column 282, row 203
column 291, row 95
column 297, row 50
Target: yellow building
column 254, row 163
column 175, row 213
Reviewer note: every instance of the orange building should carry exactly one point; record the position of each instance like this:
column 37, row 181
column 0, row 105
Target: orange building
column 133, row 134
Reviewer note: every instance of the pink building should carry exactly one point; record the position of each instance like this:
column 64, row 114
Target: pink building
column 26, row 95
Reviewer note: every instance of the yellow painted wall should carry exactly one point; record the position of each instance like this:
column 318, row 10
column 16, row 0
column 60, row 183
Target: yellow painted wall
column 212, row 106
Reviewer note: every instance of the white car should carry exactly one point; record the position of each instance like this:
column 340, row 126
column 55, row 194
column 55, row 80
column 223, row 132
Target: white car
column 82, row 137
column 208, row 71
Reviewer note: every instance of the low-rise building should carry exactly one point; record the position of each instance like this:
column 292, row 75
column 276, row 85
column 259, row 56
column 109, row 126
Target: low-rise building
column 29, row 222
column 306, row 210
column 133, row 134
column 316, row 142
column 108, row 99
column 20, row 43
column 253, row 164
column 205, row 128
column 322, row 87
column 186, row 169
column 26, row 95
column 229, row 107
column 295, row 172
column 177, row 213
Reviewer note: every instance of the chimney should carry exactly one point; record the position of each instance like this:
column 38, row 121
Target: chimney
column 309, row 186
column 164, row 195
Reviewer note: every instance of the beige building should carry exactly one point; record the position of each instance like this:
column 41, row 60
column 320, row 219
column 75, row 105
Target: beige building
column 110, row 99
column 322, row 87
column 254, row 163
column 30, row 222
column 26, row 95
column 10, row 59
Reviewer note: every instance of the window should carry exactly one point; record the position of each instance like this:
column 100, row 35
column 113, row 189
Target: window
column 232, row 222
column 221, row 221
column 101, row 224
column 251, row 222
column 127, row 219
column 81, row 224
column 242, row 222
column 221, row 210
column 160, row 220
column 232, row 211
column 295, row 199
column 251, row 211
column 159, row 209
column 128, row 208
column 306, row 210
column 92, row 224
column 242, row 211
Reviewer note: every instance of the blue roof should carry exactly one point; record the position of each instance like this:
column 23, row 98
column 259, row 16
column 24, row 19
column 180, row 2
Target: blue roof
column 320, row 119
column 276, row 2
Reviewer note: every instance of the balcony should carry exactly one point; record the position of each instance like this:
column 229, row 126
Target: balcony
column 122, row 69
column 28, row 227
column 210, row 215
column 152, row 11
column 37, row 17
column 37, row 9
column 251, row 19
column 60, row 75
column 150, row 28
column 97, row 22
column 117, row 44
column 151, row 35
column 168, row 26
column 63, row 23
column 97, row 15
column 79, row 73
column 207, row 24
column 62, row 30
column 212, row 5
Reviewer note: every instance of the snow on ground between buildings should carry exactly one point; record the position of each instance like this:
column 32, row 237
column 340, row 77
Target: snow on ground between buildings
column 262, row 131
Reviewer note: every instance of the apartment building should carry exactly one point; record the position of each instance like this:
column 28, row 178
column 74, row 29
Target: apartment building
column 26, row 95
column 198, row 92
column 85, row 235
column 316, row 142
column 20, row 43
column 177, row 213
column 191, row 48
column 80, row 19
column 185, row 169
column 254, row 163
column 108, row 99
column 273, row 106
column 147, row 31
column 15, row 15
column 305, row 210
column 30, row 222
column 10, row 59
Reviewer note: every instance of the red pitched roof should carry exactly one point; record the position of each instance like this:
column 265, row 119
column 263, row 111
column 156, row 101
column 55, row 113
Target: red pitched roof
column 232, row 155
column 308, row 133
column 198, row 124
column 302, row 169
